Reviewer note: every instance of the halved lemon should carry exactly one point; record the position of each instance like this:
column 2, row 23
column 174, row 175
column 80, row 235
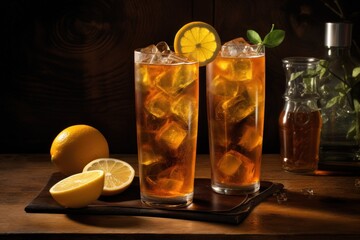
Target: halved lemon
column 198, row 40
column 78, row 190
column 118, row 174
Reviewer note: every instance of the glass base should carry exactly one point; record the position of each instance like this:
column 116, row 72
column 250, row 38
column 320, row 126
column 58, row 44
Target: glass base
column 232, row 190
column 339, row 155
column 340, row 159
column 299, row 170
column 158, row 202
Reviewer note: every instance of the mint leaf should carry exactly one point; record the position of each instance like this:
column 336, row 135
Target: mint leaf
column 323, row 65
column 253, row 37
column 356, row 72
column 274, row 38
column 357, row 105
column 332, row 101
column 295, row 75
column 352, row 131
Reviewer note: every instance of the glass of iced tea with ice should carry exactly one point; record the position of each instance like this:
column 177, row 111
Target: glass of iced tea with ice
column 235, row 105
column 166, row 94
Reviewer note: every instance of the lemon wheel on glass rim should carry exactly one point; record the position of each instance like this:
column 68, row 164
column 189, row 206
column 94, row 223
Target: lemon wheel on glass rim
column 199, row 41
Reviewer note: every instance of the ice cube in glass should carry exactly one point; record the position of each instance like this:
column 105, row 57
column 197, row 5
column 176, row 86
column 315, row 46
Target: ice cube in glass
column 158, row 105
column 250, row 138
column 177, row 78
column 184, row 108
column 171, row 135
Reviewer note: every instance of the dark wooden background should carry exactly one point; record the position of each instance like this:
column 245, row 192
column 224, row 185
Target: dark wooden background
column 66, row 62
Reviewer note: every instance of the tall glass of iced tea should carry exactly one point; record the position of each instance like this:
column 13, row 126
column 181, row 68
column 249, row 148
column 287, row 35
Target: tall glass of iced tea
column 235, row 104
column 166, row 91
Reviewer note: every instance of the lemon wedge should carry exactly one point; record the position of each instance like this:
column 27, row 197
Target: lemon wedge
column 199, row 41
column 78, row 190
column 118, row 174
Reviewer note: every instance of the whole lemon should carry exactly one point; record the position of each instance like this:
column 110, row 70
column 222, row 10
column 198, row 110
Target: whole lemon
column 76, row 146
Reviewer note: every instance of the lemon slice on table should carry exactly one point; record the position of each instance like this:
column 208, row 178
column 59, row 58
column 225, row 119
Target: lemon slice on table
column 198, row 40
column 118, row 174
column 78, row 190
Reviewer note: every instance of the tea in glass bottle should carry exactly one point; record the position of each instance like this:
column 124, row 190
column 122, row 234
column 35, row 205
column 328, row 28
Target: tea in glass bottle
column 300, row 120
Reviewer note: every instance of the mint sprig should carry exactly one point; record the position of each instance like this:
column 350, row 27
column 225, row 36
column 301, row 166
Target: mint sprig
column 273, row 39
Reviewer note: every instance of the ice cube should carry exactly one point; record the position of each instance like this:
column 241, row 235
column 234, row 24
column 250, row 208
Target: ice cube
column 150, row 49
column 250, row 138
column 168, row 56
column 143, row 80
column 149, row 54
column 159, row 54
column 307, row 191
column 170, row 180
column 146, row 75
column 158, row 105
column 151, row 171
column 148, row 157
column 281, row 196
column 152, row 124
column 169, row 186
column 173, row 58
column 254, row 91
column 235, row 69
column 223, row 87
column 154, row 54
column 239, row 48
column 171, row 135
column 184, row 108
column 163, row 47
column 237, row 42
column 235, row 109
column 229, row 163
column 234, row 47
column 233, row 162
column 176, row 78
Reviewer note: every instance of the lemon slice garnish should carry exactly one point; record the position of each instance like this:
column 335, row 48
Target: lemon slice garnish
column 199, row 41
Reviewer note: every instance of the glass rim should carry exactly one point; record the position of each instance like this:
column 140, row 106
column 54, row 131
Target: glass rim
column 188, row 60
column 258, row 50
column 301, row 60
column 241, row 44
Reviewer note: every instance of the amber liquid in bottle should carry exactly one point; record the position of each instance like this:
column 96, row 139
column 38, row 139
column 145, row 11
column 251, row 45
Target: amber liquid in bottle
column 300, row 135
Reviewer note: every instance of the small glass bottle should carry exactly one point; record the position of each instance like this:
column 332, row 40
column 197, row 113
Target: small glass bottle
column 300, row 120
column 339, row 98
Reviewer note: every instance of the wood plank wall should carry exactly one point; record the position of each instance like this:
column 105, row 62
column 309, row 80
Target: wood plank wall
column 67, row 62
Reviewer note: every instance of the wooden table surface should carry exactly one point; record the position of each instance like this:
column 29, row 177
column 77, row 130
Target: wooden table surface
column 331, row 212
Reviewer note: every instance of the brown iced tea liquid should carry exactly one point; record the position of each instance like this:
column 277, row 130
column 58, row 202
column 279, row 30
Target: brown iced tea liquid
column 167, row 115
column 300, row 140
column 236, row 98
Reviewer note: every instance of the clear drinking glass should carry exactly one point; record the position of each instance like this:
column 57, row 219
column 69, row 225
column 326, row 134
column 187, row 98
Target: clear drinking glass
column 235, row 104
column 166, row 92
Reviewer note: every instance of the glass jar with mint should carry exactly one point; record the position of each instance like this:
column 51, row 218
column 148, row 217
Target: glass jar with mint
column 339, row 90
